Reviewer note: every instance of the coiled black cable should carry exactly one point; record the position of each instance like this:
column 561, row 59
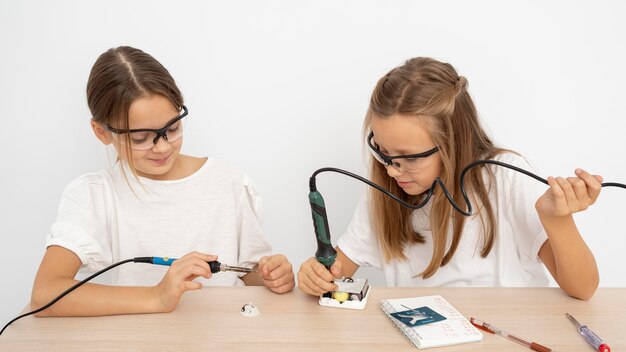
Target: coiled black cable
column 438, row 181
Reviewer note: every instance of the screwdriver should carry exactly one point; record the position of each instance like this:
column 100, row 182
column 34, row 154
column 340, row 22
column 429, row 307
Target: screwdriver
column 215, row 265
column 593, row 339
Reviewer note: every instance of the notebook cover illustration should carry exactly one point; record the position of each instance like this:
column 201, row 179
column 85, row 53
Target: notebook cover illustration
column 453, row 329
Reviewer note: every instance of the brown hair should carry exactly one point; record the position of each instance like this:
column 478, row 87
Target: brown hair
column 121, row 75
column 433, row 91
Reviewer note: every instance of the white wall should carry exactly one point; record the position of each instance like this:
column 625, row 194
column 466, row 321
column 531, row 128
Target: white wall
column 280, row 88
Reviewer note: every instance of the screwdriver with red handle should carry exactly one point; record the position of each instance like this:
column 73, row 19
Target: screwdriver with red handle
column 593, row 339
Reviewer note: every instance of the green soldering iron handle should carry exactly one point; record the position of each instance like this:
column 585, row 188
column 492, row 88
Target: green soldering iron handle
column 325, row 254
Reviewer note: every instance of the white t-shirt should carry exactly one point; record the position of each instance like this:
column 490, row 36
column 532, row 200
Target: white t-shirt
column 512, row 262
column 105, row 217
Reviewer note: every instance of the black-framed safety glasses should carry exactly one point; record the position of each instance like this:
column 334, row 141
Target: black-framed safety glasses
column 402, row 163
column 146, row 138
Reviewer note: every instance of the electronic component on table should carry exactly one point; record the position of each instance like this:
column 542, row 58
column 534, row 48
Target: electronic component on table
column 249, row 310
column 351, row 293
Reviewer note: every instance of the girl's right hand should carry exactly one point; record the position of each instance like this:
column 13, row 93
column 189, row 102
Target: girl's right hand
column 179, row 278
column 315, row 279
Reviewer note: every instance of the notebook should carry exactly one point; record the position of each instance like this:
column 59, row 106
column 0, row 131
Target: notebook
column 430, row 321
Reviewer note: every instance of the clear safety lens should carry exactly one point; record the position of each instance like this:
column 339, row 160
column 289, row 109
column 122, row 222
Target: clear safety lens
column 146, row 140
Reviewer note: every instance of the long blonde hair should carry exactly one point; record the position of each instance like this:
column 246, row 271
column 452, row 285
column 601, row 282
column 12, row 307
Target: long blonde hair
column 432, row 90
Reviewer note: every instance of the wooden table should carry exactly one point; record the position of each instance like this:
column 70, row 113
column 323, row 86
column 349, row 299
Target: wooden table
column 210, row 320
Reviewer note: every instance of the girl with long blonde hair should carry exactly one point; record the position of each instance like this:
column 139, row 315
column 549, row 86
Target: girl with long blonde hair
column 421, row 125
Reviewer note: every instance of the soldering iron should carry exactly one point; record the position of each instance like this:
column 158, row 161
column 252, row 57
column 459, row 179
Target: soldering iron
column 215, row 266
column 326, row 254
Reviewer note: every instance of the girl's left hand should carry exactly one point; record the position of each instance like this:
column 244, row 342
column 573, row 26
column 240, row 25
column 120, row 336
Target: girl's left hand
column 569, row 195
column 277, row 273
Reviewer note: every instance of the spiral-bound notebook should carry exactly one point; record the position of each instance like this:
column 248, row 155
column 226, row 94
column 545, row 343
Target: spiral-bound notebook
column 442, row 324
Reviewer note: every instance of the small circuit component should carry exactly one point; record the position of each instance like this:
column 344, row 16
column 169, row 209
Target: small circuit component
column 351, row 293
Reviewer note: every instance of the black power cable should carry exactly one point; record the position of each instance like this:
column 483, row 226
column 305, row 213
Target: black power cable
column 313, row 188
column 214, row 265
column 78, row 284
column 326, row 254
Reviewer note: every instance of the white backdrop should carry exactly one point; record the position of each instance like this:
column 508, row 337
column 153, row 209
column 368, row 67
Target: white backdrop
column 280, row 89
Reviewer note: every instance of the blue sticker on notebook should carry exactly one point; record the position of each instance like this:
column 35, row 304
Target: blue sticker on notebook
column 417, row 316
